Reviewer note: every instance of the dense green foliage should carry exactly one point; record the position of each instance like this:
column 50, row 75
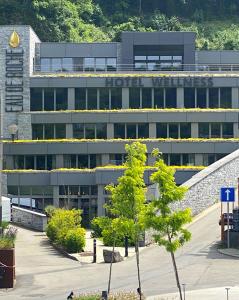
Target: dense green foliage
column 64, row 229
column 104, row 20
column 118, row 296
column 8, row 236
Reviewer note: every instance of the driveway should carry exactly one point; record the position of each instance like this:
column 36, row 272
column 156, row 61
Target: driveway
column 44, row 274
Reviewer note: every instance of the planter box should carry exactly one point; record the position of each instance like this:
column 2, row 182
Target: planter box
column 7, row 275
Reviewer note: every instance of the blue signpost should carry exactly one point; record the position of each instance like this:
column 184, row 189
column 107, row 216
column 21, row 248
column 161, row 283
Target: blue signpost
column 228, row 195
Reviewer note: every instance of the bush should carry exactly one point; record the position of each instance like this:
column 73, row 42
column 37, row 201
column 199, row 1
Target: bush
column 49, row 210
column 117, row 296
column 6, row 243
column 75, row 240
column 97, row 225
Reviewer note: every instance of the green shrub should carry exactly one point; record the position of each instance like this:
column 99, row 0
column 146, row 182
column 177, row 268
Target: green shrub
column 62, row 221
column 117, row 296
column 75, row 240
column 49, row 210
column 97, row 225
column 6, row 243
column 4, row 225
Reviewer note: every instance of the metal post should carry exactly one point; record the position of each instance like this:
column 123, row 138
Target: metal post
column 104, row 295
column 126, row 245
column 228, row 227
column 184, row 291
column 227, row 289
column 94, row 251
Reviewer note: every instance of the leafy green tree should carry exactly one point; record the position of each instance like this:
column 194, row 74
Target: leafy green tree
column 167, row 224
column 128, row 200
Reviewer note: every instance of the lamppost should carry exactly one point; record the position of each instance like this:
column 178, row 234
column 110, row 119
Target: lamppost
column 184, row 291
column 12, row 129
column 227, row 289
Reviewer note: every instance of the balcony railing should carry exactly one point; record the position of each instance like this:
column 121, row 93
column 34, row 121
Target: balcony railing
column 123, row 68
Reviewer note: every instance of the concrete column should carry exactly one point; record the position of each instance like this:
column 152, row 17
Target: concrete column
column 105, row 159
column 69, row 131
column 110, row 131
column 9, row 162
column 198, row 159
column 194, row 130
column 235, row 130
column 71, row 99
column 152, row 130
column 235, row 98
column 59, row 161
column 101, row 201
column 56, row 196
column 180, row 98
column 125, row 98
column 151, row 160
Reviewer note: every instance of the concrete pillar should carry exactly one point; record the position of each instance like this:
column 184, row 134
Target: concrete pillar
column 152, row 130
column 9, row 162
column 235, row 98
column 59, row 161
column 110, row 131
column 71, row 99
column 194, row 130
column 105, row 159
column 180, row 98
column 125, row 98
column 198, row 159
column 101, row 201
column 235, row 130
column 56, row 196
column 69, row 131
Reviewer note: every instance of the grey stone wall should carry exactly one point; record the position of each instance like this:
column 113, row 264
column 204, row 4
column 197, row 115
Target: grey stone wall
column 24, row 126
column 29, row 219
column 204, row 187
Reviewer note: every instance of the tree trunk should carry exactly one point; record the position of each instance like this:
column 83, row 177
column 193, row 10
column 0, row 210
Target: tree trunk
column 111, row 263
column 138, row 270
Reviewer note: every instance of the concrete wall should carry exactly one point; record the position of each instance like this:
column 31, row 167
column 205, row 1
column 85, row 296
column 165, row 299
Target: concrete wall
column 29, row 219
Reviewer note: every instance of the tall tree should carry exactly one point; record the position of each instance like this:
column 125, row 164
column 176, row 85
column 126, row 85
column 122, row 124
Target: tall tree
column 167, row 224
column 128, row 200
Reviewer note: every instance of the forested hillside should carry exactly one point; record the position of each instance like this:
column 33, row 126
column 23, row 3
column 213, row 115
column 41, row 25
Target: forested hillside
column 216, row 22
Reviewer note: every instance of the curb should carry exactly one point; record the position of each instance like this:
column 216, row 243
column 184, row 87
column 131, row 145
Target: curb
column 63, row 252
column 225, row 252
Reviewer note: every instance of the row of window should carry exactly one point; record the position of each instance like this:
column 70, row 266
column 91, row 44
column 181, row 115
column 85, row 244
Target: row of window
column 78, row 190
column 34, row 162
column 132, row 130
column 158, row 62
column 53, row 99
column 77, row 64
column 176, row 159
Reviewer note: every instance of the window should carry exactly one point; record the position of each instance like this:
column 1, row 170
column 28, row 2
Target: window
column 185, row 130
column 36, row 99
column 101, row 131
column 213, row 98
column 78, row 131
column 37, row 131
column 116, row 98
column 159, row 98
column 203, row 130
column 161, row 130
column 49, row 99
column 83, row 161
column 100, row 64
column 89, row 64
column 131, row 131
column 89, row 131
column 215, row 130
column 92, row 98
column 78, row 64
column 170, row 97
column 201, row 97
column 29, row 162
column 189, row 97
column 60, row 131
column 173, row 131
column 146, row 98
column 80, row 98
column 45, row 65
column 104, row 98
column 56, row 65
column 67, row 64
column 111, row 64
column 119, row 131
column 134, row 98
column 227, row 130
column 49, row 131
column 61, row 98
column 175, row 160
column 143, row 130
column 225, row 97
column 40, row 162
column 188, row 159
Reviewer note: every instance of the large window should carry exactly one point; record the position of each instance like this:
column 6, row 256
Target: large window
column 48, row 131
column 173, row 130
column 36, row 99
column 177, row 159
column 134, row 98
column 82, row 161
column 131, row 130
column 90, row 131
column 215, row 130
column 154, row 62
column 80, row 98
column 35, row 162
column 61, row 98
column 170, row 97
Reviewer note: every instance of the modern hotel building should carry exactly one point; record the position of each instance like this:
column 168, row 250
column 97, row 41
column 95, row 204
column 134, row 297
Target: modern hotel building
column 76, row 105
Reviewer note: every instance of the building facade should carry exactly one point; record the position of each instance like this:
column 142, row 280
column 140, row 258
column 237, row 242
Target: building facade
column 77, row 105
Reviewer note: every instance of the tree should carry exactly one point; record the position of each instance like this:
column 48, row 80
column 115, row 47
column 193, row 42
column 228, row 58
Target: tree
column 168, row 224
column 128, row 201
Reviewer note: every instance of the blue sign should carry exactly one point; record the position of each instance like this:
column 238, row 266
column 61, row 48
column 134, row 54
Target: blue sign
column 228, row 194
